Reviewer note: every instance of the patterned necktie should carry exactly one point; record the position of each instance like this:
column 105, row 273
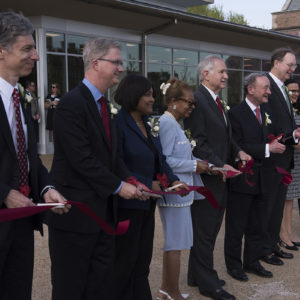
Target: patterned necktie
column 220, row 105
column 21, row 143
column 286, row 97
column 257, row 113
column 105, row 117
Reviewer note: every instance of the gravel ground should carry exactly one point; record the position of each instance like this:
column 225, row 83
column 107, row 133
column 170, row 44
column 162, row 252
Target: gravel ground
column 283, row 286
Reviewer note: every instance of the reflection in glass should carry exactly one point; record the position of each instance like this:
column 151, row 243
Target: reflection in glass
column 57, row 71
column 76, row 43
column 55, row 42
column 233, row 92
column 75, row 71
column 266, row 65
column 185, row 57
column 158, row 74
column 186, row 74
column 159, row 54
column 252, row 64
column 233, row 62
column 130, row 51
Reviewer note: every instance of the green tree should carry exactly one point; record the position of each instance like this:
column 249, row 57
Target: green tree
column 217, row 12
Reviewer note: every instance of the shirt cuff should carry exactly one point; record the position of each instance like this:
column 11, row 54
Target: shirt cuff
column 195, row 166
column 118, row 189
column 46, row 189
column 295, row 139
column 267, row 150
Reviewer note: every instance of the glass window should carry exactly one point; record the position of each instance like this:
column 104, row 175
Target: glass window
column 76, row 43
column 266, row 65
column 233, row 92
column 159, row 54
column 185, row 57
column 158, row 74
column 252, row 64
column 204, row 54
column 55, row 42
column 186, row 74
column 233, row 62
column 130, row 51
column 57, row 71
column 75, row 71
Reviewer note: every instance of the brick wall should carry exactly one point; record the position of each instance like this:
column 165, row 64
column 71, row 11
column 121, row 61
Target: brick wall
column 287, row 20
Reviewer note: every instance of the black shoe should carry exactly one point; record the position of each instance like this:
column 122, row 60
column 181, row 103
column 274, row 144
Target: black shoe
column 282, row 254
column 259, row 270
column 272, row 260
column 218, row 294
column 238, row 274
column 222, row 282
column 296, row 243
column 286, row 246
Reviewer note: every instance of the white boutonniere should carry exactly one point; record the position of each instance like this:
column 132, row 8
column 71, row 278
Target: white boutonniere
column 113, row 110
column 267, row 119
column 164, row 87
column 192, row 141
column 25, row 95
column 225, row 106
column 154, row 126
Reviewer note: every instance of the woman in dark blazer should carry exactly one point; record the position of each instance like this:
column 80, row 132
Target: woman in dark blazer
column 140, row 148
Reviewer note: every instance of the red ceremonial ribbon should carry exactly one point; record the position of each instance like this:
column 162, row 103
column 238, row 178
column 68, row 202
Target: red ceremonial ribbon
column 163, row 179
column 247, row 169
column 9, row 214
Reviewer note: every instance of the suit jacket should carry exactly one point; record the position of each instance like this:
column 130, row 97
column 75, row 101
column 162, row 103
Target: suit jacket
column 9, row 167
column 285, row 122
column 214, row 138
column 252, row 138
column 138, row 156
column 85, row 168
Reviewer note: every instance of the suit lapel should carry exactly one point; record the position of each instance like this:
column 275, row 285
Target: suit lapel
column 4, row 127
column 93, row 109
column 211, row 102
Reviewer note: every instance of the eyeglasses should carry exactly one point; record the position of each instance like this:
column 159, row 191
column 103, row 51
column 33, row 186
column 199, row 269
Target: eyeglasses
column 189, row 103
column 116, row 62
column 53, row 87
column 292, row 66
column 295, row 91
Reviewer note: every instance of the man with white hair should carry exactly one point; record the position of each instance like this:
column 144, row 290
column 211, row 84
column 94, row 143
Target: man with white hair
column 210, row 126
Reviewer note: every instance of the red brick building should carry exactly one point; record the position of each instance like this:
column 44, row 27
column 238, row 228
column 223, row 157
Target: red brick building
column 288, row 19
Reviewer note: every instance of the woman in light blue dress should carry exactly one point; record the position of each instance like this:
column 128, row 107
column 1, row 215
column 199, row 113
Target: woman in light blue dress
column 175, row 210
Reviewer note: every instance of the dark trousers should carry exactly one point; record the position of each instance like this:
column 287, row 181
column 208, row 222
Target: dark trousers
column 16, row 259
column 245, row 215
column 206, row 225
column 133, row 255
column 81, row 265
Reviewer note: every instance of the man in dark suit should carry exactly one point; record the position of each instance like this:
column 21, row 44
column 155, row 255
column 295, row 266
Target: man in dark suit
column 251, row 194
column 283, row 64
column 87, row 169
column 23, row 178
column 211, row 128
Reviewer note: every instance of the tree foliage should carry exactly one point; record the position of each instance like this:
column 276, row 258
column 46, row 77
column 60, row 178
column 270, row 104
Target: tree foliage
column 217, row 12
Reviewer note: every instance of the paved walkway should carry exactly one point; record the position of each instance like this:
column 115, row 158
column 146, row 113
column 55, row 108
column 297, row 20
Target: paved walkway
column 285, row 284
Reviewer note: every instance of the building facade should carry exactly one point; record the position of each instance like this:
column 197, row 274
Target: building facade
column 159, row 41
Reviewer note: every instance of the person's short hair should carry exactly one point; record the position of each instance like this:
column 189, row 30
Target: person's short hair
column 291, row 80
column 208, row 64
column 251, row 79
column 97, row 48
column 131, row 89
column 175, row 90
column 13, row 25
column 279, row 54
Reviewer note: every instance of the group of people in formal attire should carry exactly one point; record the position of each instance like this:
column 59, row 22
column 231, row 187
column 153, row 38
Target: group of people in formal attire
column 114, row 160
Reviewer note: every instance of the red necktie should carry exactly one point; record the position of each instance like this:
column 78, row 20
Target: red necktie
column 219, row 105
column 105, row 117
column 21, row 143
column 257, row 113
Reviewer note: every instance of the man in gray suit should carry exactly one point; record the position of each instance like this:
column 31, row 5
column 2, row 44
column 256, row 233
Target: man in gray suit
column 209, row 124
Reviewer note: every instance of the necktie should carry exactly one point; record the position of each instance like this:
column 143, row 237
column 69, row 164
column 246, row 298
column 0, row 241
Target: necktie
column 105, row 117
column 257, row 113
column 21, row 143
column 286, row 97
column 219, row 105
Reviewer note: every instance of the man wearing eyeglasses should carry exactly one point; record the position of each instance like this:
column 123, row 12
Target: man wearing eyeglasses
column 87, row 169
column 283, row 65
